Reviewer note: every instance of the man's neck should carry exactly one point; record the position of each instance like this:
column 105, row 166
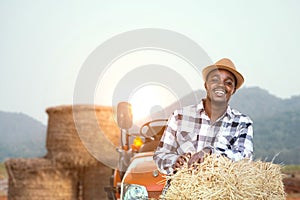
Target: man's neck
column 213, row 110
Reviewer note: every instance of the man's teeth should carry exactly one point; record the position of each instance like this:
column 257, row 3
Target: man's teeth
column 220, row 92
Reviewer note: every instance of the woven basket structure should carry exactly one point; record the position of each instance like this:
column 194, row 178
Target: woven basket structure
column 38, row 179
column 81, row 135
column 94, row 180
column 81, row 144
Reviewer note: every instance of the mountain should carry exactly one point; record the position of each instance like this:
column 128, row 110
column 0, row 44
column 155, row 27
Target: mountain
column 21, row 136
column 278, row 134
column 256, row 102
column 276, row 124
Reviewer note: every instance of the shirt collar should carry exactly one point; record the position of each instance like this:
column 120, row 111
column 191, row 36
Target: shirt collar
column 229, row 112
column 200, row 106
column 200, row 109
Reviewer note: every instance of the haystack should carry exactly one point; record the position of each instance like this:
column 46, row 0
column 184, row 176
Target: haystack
column 94, row 180
column 38, row 179
column 220, row 178
column 82, row 135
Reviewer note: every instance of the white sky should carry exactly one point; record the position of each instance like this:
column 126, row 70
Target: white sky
column 44, row 43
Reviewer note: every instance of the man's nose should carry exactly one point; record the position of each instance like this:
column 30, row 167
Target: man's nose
column 221, row 83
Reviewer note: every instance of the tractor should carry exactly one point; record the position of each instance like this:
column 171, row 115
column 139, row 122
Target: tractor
column 136, row 176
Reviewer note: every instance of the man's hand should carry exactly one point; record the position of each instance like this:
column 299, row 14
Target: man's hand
column 198, row 157
column 184, row 158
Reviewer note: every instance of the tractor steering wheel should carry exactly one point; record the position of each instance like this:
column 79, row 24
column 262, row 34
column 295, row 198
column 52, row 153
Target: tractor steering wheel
column 149, row 130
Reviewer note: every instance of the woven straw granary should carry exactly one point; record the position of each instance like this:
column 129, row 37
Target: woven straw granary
column 81, row 143
column 38, row 179
column 82, row 135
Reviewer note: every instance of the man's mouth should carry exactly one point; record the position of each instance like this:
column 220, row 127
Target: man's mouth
column 219, row 92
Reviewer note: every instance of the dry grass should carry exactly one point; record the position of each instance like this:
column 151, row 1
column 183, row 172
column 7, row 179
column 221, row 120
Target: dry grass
column 81, row 135
column 76, row 139
column 38, row 178
column 219, row 178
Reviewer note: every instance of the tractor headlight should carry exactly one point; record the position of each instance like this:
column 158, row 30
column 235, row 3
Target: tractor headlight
column 133, row 192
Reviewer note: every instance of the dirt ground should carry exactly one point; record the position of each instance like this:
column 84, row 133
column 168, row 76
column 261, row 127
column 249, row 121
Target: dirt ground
column 292, row 187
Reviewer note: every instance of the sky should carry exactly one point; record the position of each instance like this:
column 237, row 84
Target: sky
column 44, row 44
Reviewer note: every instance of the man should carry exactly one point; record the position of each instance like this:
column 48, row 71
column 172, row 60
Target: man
column 209, row 127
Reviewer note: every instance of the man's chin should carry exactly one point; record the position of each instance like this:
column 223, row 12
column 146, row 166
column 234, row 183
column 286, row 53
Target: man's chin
column 219, row 100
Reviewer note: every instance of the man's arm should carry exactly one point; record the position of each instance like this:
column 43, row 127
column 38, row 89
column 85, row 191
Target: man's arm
column 166, row 152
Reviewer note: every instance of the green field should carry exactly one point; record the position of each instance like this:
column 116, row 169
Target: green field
column 3, row 173
column 291, row 169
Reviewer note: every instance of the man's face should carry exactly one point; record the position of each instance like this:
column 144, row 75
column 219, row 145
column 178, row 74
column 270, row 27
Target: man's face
column 220, row 85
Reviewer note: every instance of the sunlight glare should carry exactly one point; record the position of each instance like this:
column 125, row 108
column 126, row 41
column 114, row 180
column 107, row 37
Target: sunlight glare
column 147, row 97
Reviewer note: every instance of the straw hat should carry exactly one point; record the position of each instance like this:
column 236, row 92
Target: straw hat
column 228, row 65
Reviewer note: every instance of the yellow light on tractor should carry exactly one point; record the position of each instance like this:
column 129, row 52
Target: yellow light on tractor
column 137, row 143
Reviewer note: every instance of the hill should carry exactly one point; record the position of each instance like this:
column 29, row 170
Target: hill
column 279, row 134
column 256, row 102
column 21, row 136
column 276, row 124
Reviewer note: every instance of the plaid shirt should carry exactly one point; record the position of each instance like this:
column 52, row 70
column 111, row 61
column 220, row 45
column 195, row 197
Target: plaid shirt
column 190, row 130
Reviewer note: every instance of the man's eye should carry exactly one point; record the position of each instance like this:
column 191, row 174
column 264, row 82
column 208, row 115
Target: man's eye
column 214, row 80
column 229, row 83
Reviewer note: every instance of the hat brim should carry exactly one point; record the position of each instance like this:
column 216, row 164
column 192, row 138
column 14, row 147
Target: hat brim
column 238, row 76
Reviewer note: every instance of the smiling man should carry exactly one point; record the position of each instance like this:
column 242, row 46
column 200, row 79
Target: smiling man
column 211, row 126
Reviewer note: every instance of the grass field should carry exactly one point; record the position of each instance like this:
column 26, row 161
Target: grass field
column 291, row 169
column 3, row 173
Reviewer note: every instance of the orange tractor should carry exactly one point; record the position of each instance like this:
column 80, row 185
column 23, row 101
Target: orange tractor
column 136, row 176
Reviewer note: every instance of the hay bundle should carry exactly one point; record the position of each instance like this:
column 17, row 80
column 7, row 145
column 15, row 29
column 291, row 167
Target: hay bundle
column 74, row 135
column 220, row 178
column 106, row 120
column 94, row 180
column 36, row 179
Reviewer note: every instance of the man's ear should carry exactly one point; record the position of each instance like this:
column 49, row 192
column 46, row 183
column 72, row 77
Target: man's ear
column 233, row 91
column 205, row 86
